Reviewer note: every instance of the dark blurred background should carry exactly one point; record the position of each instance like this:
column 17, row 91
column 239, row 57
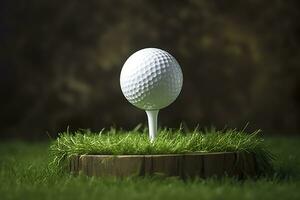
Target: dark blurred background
column 60, row 63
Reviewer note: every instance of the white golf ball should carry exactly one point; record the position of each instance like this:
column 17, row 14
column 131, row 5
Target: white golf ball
column 151, row 79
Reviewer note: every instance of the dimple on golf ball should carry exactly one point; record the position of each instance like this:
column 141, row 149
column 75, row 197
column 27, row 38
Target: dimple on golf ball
column 151, row 79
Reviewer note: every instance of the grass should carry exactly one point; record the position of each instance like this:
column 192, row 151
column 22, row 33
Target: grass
column 114, row 142
column 25, row 174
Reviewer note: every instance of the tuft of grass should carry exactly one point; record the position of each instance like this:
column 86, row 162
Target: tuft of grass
column 113, row 142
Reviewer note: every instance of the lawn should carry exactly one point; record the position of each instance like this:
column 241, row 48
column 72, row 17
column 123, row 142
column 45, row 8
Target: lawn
column 24, row 174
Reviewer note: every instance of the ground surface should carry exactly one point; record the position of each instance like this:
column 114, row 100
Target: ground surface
column 24, row 175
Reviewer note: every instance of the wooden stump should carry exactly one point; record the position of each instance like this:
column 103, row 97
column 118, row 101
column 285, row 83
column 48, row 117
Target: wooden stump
column 191, row 165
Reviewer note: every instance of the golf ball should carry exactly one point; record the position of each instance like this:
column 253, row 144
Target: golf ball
column 151, row 79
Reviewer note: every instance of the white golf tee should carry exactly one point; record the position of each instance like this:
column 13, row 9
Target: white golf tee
column 152, row 123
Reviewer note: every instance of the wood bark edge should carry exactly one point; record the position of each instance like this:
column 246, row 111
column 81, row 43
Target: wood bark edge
column 191, row 165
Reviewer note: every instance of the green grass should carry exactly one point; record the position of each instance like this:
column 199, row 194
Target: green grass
column 114, row 142
column 25, row 174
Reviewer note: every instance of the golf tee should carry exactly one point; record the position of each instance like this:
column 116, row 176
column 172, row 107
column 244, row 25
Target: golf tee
column 152, row 123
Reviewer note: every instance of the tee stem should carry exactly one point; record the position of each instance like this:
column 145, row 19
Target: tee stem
column 152, row 123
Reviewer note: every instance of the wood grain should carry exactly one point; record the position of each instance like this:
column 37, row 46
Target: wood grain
column 185, row 166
